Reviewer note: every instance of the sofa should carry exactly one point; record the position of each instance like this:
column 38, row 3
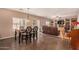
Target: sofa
column 50, row 30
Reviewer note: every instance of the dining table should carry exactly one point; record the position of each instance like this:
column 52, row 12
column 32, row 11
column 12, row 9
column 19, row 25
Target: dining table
column 18, row 34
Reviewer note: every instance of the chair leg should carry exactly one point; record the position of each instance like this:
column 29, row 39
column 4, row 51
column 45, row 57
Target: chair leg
column 15, row 35
column 22, row 39
column 36, row 36
column 30, row 37
column 19, row 41
column 33, row 37
column 19, row 37
column 26, row 41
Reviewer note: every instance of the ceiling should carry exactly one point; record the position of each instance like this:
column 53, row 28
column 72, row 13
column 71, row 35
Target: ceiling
column 49, row 12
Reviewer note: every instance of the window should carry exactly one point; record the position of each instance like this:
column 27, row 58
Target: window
column 47, row 23
column 18, row 23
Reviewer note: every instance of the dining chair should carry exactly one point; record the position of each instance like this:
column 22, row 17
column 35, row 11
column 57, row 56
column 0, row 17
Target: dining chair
column 29, row 33
column 23, row 36
column 35, row 32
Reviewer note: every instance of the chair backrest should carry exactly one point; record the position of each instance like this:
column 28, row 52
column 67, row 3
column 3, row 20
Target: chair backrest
column 29, row 29
column 35, row 29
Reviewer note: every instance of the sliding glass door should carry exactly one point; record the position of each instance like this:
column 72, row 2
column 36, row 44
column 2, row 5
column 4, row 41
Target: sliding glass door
column 19, row 23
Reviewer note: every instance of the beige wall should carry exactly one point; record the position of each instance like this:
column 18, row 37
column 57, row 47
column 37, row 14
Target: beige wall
column 6, row 21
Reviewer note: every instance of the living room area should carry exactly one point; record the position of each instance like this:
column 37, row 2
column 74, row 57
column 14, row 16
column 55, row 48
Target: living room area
column 39, row 28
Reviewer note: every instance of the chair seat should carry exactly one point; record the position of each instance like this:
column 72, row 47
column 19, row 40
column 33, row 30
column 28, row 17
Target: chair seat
column 23, row 33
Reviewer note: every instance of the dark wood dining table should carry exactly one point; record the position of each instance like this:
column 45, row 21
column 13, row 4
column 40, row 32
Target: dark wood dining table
column 18, row 34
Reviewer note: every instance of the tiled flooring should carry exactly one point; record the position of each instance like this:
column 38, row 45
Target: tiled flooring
column 44, row 42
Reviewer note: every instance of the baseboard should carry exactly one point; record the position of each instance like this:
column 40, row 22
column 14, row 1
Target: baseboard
column 6, row 37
